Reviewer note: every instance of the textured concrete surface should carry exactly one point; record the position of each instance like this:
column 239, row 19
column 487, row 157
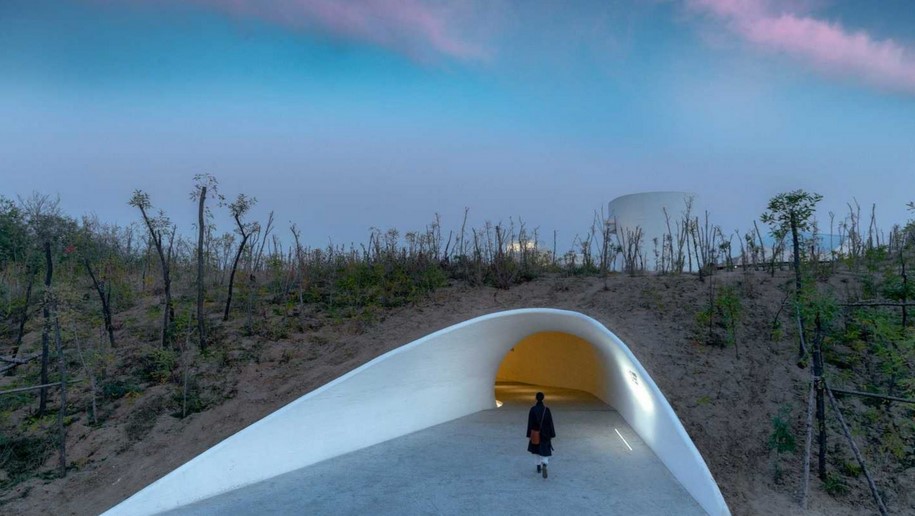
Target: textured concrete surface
column 479, row 465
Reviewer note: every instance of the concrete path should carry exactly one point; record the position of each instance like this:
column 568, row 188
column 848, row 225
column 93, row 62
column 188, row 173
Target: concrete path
column 479, row 465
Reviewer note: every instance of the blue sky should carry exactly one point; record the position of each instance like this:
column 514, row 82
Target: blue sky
column 389, row 111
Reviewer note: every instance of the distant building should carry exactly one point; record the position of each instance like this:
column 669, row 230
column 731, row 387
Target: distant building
column 649, row 230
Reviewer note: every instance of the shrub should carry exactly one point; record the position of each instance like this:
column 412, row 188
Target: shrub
column 115, row 389
column 834, row 484
column 14, row 401
column 195, row 402
column 20, row 457
column 850, row 468
column 158, row 364
column 782, row 439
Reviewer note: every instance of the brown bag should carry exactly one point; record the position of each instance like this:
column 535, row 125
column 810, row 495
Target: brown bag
column 535, row 434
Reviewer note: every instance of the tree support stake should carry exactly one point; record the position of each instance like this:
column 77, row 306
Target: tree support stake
column 854, row 449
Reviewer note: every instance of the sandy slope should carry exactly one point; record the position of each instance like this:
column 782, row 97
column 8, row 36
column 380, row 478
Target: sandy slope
column 725, row 403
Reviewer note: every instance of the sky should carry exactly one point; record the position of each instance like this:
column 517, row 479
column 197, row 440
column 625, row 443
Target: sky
column 344, row 115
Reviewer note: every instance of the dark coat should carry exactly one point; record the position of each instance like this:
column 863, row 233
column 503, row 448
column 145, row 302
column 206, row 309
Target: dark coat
column 547, row 432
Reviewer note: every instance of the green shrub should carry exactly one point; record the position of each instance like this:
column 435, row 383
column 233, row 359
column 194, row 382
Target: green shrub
column 154, row 311
column 703, row 317
column 123, row 295
column 16, row 400
column 835, row 484
column 731, row 310
column 893, row 444
column 777, row 332
column 22, row 456
column 390, row 284
column 850, row 468
column 782, row 439
column 725, row 313
column 158, row 364
column 115, row 389
column 778, row 473
column 195, row 403
column 182, row 322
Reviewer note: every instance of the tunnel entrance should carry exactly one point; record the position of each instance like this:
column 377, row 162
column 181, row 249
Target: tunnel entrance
column 566, row 367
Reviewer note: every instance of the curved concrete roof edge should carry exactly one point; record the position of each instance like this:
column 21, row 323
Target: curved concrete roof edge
column 440, row 377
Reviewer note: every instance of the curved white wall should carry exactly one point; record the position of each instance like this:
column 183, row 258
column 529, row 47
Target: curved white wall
column 440, row 377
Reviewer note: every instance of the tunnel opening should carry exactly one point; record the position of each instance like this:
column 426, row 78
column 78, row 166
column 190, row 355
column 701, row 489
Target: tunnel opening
column 567, row 368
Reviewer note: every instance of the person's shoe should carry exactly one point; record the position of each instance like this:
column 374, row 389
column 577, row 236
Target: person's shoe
column 538, row 468
column 544, row 471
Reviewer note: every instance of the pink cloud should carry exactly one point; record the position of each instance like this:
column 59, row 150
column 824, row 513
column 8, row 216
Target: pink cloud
column 827, row 46
column 413, row 27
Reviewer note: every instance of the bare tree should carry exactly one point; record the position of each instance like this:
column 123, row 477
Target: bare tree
column 682, row 255
column 630, row 241
column 762, row 243
column 103, row 288
column 460, row 245
column 30, row 272
column 158, row 228
column 504, row 269
column 299, row 264
column 262, row 237
column 607, row 225
column 92, row 248
column 46, row 227
column 707, row 245
column 239, row 209
column 202, row 183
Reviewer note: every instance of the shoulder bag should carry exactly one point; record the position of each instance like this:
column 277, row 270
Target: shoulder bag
column 535, row 434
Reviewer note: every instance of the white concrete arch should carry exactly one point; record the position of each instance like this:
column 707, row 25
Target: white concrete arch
column 443, row 376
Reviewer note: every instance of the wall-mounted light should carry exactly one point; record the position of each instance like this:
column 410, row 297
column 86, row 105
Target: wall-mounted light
column 639, row 391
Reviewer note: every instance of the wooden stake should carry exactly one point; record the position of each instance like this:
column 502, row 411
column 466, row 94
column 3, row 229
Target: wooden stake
column 809, row 441
column 36, row 387
column 872, row 395
column 89, row 373
column 854, row 449
column 867, row 304
column 905, row 292
column 821, row 404
column 62, row 365
column 802, row 351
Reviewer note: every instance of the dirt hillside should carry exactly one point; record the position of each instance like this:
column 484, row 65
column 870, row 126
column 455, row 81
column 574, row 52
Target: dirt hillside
column 727, row 403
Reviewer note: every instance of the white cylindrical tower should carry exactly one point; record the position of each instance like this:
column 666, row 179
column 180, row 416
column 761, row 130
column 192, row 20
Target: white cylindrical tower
column 649, row 229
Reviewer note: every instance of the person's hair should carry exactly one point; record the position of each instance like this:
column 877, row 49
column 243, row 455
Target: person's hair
column 539, row 396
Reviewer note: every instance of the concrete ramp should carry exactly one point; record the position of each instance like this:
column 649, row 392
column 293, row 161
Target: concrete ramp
column 478, row 464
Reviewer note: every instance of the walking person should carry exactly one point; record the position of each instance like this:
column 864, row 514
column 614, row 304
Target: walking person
column 540, row 432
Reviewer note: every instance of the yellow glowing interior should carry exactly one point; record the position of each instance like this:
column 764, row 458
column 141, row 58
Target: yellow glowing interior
column 554, row 359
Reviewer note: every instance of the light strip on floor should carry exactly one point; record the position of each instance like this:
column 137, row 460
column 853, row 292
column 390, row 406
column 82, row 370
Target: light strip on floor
column 623, row 438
